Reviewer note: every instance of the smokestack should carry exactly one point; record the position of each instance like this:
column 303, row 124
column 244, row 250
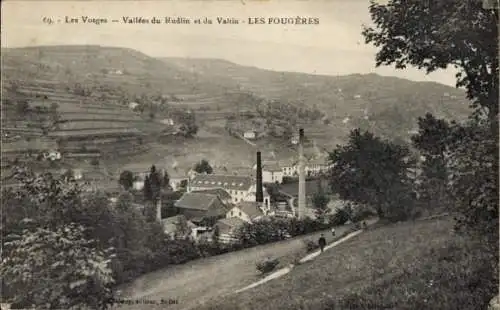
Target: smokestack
column 302, row 176
column 259, row 195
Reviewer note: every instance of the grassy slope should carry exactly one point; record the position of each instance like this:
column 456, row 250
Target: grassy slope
column 198, row 281
column 402, row 266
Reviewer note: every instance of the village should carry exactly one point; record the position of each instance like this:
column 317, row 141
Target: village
column 220, row 203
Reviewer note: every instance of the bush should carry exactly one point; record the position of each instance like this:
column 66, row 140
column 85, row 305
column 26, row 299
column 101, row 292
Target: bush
column 362, row 214
column 340, row 217
column 267, row 265
column 310, row 245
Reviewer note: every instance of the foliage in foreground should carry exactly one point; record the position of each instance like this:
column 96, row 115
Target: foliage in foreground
column 267, row 265
column 58, row 269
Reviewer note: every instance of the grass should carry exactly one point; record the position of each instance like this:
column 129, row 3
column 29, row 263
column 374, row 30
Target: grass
column 421, row 265
column 203, row 279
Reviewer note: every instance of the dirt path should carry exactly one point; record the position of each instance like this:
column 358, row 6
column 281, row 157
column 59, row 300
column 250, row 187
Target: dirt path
column 198, row 281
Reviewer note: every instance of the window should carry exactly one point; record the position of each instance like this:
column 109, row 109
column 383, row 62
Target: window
column 240, row 213
column 232, row 213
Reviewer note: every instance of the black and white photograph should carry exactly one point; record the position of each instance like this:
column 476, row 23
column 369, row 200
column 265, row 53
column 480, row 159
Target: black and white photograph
column 249, row 154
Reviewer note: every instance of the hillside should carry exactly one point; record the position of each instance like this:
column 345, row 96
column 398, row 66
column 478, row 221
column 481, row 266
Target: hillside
column 387, row 105
column 78, row 99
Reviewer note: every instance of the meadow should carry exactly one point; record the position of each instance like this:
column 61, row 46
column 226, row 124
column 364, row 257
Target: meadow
column 408, row 265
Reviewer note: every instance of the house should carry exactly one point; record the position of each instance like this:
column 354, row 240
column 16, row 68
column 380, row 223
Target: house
column 200, row 207
column 246, row 211
column 133, row 105
column 77, row 174
column 249, row 134
column 177, row 226
column 167, row 121
column 252, row 195
column 290, row 168
column 177, row 179
column 313, row 166
column 316, row 166
column 219, row 192
column 237, row 186
column 271, row 173
column 228, row 229
column 52, row 155
column 138, row 183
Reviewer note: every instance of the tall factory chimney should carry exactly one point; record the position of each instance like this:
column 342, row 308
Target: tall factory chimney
column 259, row 194
column 302, row 177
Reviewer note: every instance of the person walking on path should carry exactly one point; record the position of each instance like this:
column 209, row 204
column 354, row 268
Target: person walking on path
column 333, row 231
column 322, row 242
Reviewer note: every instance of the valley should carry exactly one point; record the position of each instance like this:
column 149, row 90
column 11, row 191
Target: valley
column 118, row 108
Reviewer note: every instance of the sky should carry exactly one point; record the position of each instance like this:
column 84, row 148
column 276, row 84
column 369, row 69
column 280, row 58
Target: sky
column 333, row 47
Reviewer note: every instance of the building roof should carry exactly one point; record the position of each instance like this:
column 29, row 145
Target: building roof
column 226, row 225
column 269, row 166
column 170, row 223
column 251, row 208
column 173, row 219
column 230, row 182
column 318, row 161
column 254, row 192
column 292, row 189
column 198, row 201
column 221, row 193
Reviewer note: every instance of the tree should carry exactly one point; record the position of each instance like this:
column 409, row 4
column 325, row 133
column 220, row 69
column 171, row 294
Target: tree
column 152, row 193
column 432, row 144
column 58, row 269
column 146, row 189
column 203, row 167
column 463, row 34
column 371, row 171
column 188, row 127
column 474, row 181
column 433, row 35
column 166, row 180
column 320, row 202
column 67, row 263
column 126, row 179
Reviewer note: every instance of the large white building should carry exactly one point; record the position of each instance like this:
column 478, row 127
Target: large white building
column 313, row 166
column 237, row 186
column 240, row 188
column 271, row 173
